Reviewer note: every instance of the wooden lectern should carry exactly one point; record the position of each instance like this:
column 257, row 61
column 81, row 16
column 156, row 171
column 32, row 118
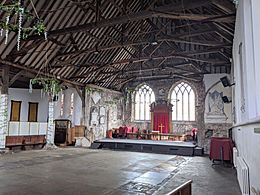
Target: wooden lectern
column 161, row 116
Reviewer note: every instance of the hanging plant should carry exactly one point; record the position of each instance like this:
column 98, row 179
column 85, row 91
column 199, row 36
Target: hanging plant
column 90, row 90
column 21, row 14
column 50, row 86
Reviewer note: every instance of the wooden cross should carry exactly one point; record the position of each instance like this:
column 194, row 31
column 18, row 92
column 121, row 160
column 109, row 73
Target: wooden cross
column 161, row 127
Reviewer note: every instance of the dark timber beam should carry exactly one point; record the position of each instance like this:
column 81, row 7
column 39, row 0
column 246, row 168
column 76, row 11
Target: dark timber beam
column 179, row 55
column 197, row 17
column 173, row 38
column 5, row 78
column 225, row 5
column 163, row 76
column 125, row 18
column 22, row 67
column 17, row 76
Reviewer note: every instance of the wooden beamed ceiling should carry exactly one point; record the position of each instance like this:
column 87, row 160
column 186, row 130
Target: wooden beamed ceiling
column 113, row 42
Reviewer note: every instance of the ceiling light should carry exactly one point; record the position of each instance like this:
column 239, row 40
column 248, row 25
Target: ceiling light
column 96, row 52
column 154, row 43
column 153, row 40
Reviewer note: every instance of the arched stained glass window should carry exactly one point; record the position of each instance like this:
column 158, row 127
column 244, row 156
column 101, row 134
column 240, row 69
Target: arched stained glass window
column 143, row 97
column 183, row 101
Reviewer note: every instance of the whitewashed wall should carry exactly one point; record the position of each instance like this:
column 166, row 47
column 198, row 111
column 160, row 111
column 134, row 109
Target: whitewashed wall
column 26, row 97
column 76, row 117
column 247, row 32
column 212, row 83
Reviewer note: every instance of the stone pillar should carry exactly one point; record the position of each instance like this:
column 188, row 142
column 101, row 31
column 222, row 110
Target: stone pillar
column 200, row 109
column 51, row 127
column 83, row 99
column 3, row 120
column 87, row 110
column 4, row 106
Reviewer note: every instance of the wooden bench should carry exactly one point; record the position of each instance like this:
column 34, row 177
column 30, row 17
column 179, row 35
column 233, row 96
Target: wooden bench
column 184, row 189
column 25, row 140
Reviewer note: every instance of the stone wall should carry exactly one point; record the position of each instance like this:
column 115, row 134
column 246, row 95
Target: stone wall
column 218, row 126
column 104, row 110
column 217, row 115
column 167, row 86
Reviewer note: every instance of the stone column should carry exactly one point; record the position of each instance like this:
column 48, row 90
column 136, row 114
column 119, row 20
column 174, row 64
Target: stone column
column 3, row 120
column 127, row 107
column 83, row 99
column 200, row 113
column 51, row 127
column 4, row 106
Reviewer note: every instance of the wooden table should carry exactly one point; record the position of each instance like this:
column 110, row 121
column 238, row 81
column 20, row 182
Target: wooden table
column 156, row 135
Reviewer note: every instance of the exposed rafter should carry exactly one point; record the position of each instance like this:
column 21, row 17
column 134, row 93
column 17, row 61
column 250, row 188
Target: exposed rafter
column 114, row 42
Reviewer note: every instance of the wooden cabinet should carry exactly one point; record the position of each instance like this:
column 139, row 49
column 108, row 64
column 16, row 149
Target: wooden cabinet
column 77, row 131
column 61, row 131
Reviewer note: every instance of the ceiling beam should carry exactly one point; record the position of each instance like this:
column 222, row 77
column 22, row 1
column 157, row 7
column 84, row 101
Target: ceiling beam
column 34, row 71
column 230, row 18
column 16, row 76
column 224, row 5
column 179, row 55
column 124, row 18
column 174, row 38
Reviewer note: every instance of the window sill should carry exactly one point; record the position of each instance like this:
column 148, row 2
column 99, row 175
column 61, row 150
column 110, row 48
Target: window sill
column 184, row 121
column 139, row 121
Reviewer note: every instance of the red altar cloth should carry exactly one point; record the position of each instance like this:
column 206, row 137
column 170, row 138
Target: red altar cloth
column 221, row 143
column 161, row 119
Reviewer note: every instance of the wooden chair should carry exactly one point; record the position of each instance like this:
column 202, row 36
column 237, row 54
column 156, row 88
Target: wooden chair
column 184, row 189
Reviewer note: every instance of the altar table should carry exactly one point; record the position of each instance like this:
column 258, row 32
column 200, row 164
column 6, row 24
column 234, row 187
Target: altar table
column 221, row 149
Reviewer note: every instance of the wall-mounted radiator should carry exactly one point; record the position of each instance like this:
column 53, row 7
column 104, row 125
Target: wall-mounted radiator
column 235, row 155
column 243, row 176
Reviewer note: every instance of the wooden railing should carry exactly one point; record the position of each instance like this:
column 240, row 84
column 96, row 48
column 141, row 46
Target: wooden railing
column 184, row 189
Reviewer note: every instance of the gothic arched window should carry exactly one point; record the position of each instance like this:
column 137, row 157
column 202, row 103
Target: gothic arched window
column 183, row 101
column 143, row 97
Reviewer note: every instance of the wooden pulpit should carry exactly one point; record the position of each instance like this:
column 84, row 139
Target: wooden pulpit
column 161, row 116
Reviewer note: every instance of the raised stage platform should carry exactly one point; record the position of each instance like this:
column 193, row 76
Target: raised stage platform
column 152, row 146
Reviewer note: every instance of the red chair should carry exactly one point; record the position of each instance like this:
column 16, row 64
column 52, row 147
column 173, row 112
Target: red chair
column 122, row 132
column 135, row 130
column 109, row 134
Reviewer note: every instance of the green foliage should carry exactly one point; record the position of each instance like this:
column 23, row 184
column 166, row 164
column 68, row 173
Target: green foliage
column 14, row 10
column 110, row 102
column 90, row 90
column 50, row 86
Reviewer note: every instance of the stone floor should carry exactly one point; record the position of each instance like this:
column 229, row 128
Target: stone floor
column 85, row 171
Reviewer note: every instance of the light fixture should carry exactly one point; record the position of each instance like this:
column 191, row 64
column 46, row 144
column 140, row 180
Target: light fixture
column 19, row 11
column 153, row 40
column 96, row 52
column 154, row 43
column 225, row 99
column 225, row 81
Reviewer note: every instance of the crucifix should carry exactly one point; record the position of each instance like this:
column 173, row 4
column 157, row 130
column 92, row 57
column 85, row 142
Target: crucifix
column 161, row 127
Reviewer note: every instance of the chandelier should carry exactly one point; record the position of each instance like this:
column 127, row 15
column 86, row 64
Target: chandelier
column 15, row 14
